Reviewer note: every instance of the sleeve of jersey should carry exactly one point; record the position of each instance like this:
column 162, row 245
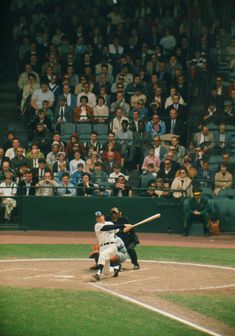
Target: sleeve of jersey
column 111, row 227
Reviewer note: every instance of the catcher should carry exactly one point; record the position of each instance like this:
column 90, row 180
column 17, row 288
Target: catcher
column 119, row 259
column 129, row 238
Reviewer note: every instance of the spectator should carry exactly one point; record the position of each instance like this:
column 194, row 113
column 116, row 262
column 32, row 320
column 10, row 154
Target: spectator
column 86, row 188
column 8, row 143
column 52, row 156
column 156, row 126
column 83, row 113
column 65, row 187
column 125, row 138
column 222, row 139
column 26, row 187
column 205, row 136
column 70, row 98
column 151, row 158
column 19, row 160
column 205, row 176
column 74, row 163
column 101, row 110
column 166, row 171
column 8, row 189
column 39, row 95
column 39, row 173
column 63, row 113
column 120, row 188
column 92, row 158
column 6, row 169
column 120, row 103
column 91, row 98
column 116, row 172
column 77, row 175
column 182, row 183
column 47, row 186
column 93, row 144
column 11, row 152
column 223, row 179
column 116, row 123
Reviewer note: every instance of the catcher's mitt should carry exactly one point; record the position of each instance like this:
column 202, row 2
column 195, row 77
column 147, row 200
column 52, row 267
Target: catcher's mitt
column 95, row 251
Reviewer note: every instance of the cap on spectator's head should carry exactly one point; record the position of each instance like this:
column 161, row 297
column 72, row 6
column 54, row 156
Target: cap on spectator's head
column 55, row 143
column 197, row 192
column 98, row 213
column 42, row 160
column 227, row 102
column 115, row 210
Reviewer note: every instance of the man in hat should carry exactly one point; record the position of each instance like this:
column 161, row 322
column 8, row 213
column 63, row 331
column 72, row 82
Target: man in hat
column 105, row 233
column 228, row 115
column 129, row 238
column 197, row 211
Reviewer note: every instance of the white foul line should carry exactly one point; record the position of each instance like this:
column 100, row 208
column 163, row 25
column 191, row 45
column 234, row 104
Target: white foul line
column 157, row 310
column 187, row 289
column 20, row 268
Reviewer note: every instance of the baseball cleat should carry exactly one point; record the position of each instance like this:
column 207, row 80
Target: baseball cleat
column 116, row 272
column 136, row 267
column 94, row 268
column 95, row 277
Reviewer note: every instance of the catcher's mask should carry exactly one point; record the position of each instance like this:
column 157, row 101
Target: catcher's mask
column 115, row 211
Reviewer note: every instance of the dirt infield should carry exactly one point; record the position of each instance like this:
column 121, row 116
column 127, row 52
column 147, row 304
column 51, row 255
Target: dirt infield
column 144, row 285
column 154, row 239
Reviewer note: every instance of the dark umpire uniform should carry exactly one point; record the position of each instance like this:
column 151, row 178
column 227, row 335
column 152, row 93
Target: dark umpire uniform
column 197, row 211
column 129, row 238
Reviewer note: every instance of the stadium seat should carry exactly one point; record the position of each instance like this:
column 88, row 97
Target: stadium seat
column 101, row 129
column 228, row 193
column 83, row 128
column 67, row 130
column 208, row 192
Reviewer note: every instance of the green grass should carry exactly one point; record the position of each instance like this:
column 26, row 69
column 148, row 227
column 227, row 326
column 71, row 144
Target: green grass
column 53, row 312
column 220, row 308
column 198, row 255
column 40, row 312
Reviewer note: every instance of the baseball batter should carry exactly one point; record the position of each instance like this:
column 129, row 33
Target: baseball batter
column 105, row 233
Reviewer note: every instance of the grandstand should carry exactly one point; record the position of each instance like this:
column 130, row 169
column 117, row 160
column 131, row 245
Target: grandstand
column 116, row 83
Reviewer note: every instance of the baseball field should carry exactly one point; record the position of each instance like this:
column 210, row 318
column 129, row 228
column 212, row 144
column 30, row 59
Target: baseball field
column 185, row 286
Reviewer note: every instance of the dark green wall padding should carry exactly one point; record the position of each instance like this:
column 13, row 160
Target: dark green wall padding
column 77, row 213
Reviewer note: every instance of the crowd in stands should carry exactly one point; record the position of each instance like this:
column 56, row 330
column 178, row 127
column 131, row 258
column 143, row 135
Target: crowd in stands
column 125, row 78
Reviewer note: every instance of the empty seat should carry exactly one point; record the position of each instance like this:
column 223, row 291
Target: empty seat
column 67, row 130
column 83, row 128
column 101, row 129
column 229, row 193
column 212, row 127
column 208, row 192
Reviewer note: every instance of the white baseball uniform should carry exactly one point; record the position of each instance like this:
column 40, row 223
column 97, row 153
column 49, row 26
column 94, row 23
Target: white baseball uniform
column 106, row 239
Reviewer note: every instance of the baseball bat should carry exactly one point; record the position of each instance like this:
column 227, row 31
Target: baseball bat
column 146, row 220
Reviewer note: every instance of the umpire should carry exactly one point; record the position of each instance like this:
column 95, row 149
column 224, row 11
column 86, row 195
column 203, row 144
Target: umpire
column 129, row 238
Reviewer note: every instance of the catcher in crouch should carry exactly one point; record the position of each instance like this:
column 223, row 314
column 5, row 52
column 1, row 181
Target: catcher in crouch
column 117, row 260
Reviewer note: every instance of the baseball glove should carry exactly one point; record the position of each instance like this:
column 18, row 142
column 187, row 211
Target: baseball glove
column 95, row 251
